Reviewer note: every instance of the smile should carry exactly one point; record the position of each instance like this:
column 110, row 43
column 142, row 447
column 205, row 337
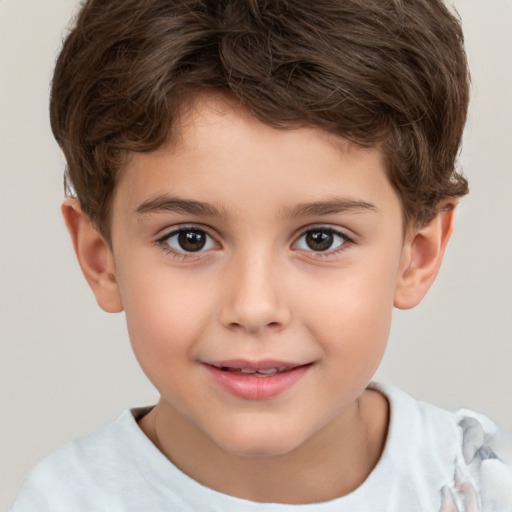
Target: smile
column 268, row 372
column 256, row 381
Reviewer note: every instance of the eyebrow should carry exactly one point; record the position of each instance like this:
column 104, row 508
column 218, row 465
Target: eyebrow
column 328, row 207
column 173, row 204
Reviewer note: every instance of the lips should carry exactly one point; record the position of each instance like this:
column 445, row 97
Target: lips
column 258, row 372
column 261, row 380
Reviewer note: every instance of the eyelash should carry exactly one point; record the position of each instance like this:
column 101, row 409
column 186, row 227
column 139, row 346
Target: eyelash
column 194, row 255
column 347, row 241
column 182, row 255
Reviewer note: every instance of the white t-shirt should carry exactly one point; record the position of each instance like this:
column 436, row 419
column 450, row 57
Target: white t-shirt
column 434, row 460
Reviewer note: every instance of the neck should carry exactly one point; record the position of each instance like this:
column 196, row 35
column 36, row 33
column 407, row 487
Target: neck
column 331, row 463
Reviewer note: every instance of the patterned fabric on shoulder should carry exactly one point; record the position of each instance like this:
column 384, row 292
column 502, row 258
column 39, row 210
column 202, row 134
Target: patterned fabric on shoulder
column 482, row 479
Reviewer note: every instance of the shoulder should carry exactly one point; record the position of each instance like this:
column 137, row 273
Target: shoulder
column 483, row 469
column 465, row 454
column 85, row 471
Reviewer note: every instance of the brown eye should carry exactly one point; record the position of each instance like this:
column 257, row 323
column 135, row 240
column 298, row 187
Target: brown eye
column 321, row 240
column 189, row 240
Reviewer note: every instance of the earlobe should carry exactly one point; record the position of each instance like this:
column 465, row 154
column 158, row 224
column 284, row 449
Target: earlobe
column 94, row 256
column 422, row 256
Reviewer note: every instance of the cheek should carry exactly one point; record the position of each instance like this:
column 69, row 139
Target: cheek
column 165, row 315
column 351, row 316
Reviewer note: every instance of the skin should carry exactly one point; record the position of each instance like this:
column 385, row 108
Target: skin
column 256, row 292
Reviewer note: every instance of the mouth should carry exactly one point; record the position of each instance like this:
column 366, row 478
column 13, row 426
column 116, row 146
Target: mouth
column 261, row 372
column 256, row 380
column 257, row 368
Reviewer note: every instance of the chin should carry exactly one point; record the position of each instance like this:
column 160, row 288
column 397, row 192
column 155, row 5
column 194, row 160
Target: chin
column 260, row 443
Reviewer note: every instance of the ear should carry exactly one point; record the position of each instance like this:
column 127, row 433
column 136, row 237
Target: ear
column 94, row 256
column 422, row 256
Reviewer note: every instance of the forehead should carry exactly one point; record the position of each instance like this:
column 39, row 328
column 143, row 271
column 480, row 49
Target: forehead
column 216, row 117
column 218, row 152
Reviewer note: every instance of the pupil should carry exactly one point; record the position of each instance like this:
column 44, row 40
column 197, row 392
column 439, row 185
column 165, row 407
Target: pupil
column 319, row 240
column 191, row 241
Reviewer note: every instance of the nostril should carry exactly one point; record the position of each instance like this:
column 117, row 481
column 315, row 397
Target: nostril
column 254, row 315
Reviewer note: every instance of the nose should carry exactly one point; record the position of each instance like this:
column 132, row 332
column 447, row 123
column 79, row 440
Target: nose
column 255, row 296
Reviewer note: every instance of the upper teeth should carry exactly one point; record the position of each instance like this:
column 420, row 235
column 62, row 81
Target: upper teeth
column 267, row 371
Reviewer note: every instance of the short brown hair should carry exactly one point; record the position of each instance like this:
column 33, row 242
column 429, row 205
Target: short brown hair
column 377, row 72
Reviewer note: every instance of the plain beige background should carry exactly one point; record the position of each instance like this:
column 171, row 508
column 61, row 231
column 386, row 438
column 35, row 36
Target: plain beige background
column 66, row 367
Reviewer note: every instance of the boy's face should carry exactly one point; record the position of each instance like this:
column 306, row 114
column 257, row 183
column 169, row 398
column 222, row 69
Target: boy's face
column 246, row 247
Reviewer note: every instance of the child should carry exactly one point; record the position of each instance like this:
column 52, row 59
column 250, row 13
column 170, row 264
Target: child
column 257, row 184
